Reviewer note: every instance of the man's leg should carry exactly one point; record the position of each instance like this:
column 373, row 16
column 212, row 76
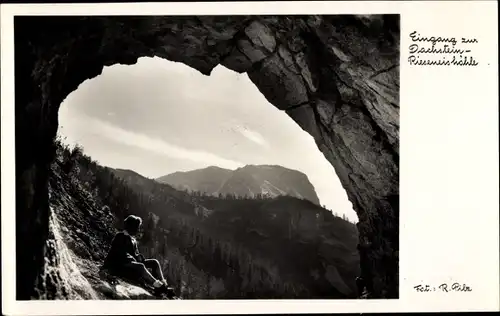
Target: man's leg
column 155, row 267
column 139, row 271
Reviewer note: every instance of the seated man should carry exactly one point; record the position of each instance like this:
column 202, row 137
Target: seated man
column 124, row 259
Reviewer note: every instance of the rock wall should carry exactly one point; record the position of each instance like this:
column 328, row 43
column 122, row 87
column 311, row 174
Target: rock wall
column 336, row 76
column 78, row 243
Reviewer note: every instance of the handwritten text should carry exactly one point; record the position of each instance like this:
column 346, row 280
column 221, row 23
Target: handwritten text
column 441, row 51
column 444, row 287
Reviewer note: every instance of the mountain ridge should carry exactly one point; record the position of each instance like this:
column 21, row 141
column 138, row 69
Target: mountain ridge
column 249, row 180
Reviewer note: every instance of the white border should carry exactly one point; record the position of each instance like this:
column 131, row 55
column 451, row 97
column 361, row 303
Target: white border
column 449, row 163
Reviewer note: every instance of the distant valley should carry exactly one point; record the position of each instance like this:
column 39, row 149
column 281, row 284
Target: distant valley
column 263, row 243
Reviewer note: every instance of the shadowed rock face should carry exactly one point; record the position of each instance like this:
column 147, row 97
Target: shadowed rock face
column 336, row 76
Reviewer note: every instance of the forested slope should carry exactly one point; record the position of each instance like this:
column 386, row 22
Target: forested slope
column 209, row 247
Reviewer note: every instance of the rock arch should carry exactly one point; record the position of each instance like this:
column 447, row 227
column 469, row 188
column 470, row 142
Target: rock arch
column 336, row 76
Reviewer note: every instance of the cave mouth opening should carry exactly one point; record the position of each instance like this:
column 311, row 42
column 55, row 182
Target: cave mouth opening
column 192, row 122
column 346, row 98
column 158, row 117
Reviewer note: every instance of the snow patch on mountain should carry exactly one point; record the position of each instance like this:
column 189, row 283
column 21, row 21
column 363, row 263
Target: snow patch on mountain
column 268, row 184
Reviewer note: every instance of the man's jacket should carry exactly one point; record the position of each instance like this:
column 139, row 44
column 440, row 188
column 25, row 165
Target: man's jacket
column 123, row 250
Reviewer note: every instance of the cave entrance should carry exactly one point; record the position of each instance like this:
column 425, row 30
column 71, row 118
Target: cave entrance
column 192, row 122
column 214, row 135
column 336, row 76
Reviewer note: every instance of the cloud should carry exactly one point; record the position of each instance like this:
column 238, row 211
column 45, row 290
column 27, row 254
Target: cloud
column 253, row 136
column 157, row 145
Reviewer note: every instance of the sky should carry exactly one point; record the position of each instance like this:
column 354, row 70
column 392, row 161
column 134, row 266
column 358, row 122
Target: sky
column 157, row 117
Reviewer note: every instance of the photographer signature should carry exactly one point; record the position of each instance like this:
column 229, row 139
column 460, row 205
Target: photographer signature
column 444, row 287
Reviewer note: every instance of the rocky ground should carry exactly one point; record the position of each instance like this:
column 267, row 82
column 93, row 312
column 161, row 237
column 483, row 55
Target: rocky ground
column 82, row 231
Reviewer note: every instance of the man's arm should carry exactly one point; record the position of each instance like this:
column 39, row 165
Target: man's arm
column 139, row 257
column 125, row 247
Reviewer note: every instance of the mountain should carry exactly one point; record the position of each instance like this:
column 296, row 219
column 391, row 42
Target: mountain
column 250, row 180
column 208, row 180
column 130, row 176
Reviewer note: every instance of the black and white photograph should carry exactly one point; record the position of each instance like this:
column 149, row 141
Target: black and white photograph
column 249, row 157
column 207, row 157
